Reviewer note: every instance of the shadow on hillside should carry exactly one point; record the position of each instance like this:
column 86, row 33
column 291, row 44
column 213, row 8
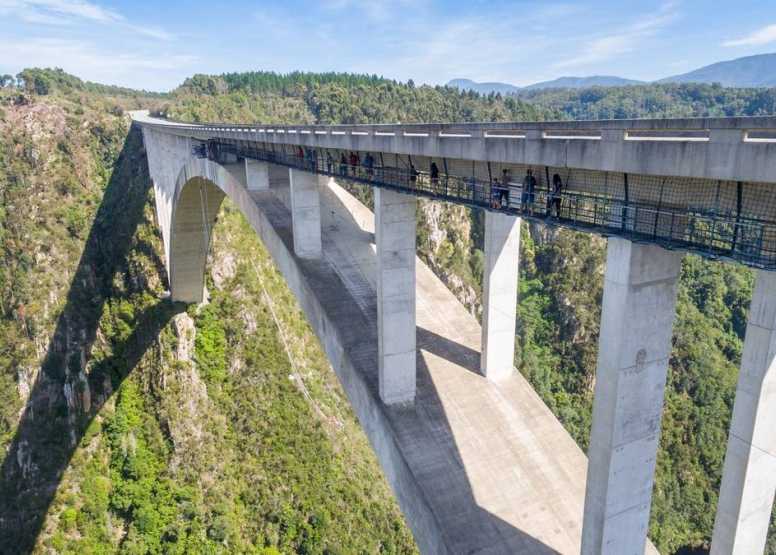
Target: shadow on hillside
column 54, row 421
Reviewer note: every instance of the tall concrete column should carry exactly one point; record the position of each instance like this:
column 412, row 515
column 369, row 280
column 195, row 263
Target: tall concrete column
column 256, row 174
column 749, row 475
column 637, row 318
column 396, row 344
column 305, row 213
column 502, row 255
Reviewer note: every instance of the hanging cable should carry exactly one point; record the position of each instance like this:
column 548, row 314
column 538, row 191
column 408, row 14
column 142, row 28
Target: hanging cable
column 332, row 420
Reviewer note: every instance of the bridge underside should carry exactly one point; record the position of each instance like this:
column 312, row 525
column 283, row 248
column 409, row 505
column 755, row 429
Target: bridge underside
column 472, row 472
column 477, row 466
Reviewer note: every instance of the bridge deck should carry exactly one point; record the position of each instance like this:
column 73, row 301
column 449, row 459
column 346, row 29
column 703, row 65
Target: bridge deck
column 498, row 470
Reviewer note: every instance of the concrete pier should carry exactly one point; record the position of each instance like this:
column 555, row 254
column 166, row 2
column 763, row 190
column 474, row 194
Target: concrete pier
column 749, row 475
column 306, row 213
column 635, row 342
column 256, row 175
column 395, row 238
column 499, row 284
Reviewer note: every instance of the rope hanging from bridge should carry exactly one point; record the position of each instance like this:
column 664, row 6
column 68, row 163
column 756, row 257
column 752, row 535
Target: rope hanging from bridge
column 297, row 377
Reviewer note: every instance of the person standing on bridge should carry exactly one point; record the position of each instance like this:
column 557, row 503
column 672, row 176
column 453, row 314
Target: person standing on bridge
column 369, row 165
column 434, row 178
column 329, row 162
column 556, row 195
column 529, row 192
column 343, row 165
column 505, row 177
column 495, row 194
column 353, row 163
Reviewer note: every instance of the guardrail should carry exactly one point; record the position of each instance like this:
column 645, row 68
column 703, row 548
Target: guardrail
column 718, row 235
column 727, row 130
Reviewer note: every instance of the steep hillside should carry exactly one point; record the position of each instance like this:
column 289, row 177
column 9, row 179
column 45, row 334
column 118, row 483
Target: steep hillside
column 131, row 424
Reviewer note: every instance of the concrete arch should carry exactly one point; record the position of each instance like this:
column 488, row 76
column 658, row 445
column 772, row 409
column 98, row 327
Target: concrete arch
column 199, row 192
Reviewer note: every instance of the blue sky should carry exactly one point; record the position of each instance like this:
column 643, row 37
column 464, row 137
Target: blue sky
column 156, row 44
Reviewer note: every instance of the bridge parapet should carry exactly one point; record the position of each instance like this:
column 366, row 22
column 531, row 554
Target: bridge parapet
column 738, row 149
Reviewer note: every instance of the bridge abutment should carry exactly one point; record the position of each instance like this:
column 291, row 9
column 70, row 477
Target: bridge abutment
column 639, row 304
column 502, row 254
column 395, row 238
column 305, row 213
column 749, row 475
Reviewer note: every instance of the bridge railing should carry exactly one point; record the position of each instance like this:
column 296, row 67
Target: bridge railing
column 726, row 235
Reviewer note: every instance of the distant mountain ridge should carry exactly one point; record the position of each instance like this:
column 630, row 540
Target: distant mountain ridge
column 749, row 71
column 582, row 82
column 483, row 88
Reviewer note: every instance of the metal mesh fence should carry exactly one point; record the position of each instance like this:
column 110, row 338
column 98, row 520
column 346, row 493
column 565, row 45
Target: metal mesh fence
column 716, row 219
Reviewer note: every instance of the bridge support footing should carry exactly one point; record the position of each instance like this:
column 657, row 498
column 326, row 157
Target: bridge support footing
column 502, row 255
column 395, row 238
column 639, row 304
column 749, row 475
column 305, row 213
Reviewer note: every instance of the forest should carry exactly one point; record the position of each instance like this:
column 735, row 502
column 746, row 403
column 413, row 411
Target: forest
column 132, row 475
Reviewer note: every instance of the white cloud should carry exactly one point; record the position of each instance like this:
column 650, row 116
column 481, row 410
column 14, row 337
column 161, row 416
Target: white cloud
column 758, row 37
column 92, row 62
column 67, row 12
column 629, row 39
column 56, row 11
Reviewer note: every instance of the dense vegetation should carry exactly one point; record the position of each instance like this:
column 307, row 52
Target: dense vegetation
column 129, row 424
column 558, row 321
column 669, row 100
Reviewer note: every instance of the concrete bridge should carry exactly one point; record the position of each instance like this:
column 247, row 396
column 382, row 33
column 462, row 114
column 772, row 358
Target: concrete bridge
column 477, row 462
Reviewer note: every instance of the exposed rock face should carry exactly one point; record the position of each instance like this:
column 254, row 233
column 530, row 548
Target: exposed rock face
column 190, row 393
column 26, row 378
column 224, row 267
column 183, row 327
column 542, row 233
column 449, row 235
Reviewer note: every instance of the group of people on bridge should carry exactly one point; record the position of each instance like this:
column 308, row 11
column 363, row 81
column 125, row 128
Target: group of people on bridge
column 500, row 190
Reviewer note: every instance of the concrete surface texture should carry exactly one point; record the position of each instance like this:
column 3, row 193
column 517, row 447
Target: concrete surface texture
column 499, row 294
column 306, row 209
column 640, row 291
column 395, row 252
column 749, row 475
column 256, row 175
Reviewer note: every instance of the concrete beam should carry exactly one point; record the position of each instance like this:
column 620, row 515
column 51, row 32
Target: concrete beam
column 502, row 254
column 256, row 175
column 637, row 318
column 395, row 238
column 749, row 475
column 305, row 213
